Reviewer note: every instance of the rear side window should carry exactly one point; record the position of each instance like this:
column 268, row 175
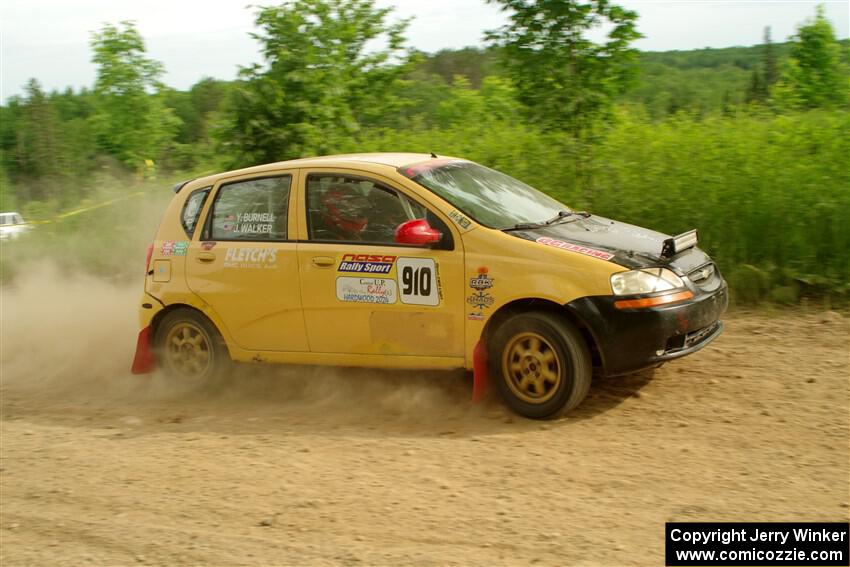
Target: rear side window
column 192, row 210
column 252, row 210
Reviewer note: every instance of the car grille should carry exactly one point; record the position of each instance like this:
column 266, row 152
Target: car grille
column 705, row 277
column 697, row 337
column 682, row 342
column 702, row 274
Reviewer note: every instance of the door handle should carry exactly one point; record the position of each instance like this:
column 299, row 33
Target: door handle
column 206, row 256
column 323, row 261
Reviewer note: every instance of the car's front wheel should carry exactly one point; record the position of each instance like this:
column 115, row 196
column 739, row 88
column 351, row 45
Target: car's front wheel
column 540, row 365
column 190, row 348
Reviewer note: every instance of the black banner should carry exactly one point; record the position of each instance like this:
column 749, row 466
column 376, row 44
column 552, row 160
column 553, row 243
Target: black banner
column 754, row 543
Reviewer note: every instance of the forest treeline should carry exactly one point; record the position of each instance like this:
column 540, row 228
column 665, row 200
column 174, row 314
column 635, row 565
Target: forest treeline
column 750, row 144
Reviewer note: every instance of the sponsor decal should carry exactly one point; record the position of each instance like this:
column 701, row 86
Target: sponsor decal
column 366, row 263
column 431, row 164
column 439, row 281
column 172, row 248
column 575, row 248
column 458, row 217
column 250, row 258
column 482, row 281
column 481, row 299
column 418, row 280
column 366, row 290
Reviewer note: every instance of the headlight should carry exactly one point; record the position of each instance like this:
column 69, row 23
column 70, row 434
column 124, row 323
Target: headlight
column 648, row 280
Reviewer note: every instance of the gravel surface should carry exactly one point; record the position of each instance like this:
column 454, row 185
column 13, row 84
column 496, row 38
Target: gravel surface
column 317, row 466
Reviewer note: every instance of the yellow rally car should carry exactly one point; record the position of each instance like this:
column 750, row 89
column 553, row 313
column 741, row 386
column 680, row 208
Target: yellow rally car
column 415, row 261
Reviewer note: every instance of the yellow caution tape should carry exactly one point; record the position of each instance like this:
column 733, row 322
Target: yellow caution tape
column 65, row 215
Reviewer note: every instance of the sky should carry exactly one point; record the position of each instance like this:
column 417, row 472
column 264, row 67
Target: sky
column 49, row 39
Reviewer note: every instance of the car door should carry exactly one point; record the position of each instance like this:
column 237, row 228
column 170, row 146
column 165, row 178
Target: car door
column 244, row 265
column 362, row 292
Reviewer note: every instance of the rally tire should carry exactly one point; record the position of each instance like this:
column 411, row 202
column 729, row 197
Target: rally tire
column 190, row 348
column 540, row 365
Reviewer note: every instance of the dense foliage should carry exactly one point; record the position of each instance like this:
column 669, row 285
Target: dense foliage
column 751, row 145
column 129, row 119
column 318, row 79
column 564, row 80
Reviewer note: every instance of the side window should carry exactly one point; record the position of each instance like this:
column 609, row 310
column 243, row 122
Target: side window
column 252, row 210
column 192, row 209
column 344, row 208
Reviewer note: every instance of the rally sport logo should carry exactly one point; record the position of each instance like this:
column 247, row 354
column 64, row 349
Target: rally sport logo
column 366, row 263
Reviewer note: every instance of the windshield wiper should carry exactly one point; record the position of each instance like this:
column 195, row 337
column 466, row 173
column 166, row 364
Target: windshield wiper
column 554, row 220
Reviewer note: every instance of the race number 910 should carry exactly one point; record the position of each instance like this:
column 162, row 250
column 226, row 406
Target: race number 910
column 417, row 278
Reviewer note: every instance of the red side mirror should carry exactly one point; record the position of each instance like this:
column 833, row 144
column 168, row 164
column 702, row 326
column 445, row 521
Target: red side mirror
column 417, row 231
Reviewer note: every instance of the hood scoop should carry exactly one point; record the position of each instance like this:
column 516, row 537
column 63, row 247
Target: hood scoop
column 679, row 243
column 625, row 244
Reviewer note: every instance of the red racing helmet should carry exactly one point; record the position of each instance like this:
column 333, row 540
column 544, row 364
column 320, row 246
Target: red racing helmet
column 344, row 212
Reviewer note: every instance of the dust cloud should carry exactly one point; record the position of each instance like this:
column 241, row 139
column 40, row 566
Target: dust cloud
column 69, row 322
column 65, row 331
column 72, row 336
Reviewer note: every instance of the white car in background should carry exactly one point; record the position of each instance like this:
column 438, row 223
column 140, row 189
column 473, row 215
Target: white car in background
column 12, row 225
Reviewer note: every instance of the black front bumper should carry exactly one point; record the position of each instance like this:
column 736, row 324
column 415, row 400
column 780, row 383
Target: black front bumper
column 632, row 339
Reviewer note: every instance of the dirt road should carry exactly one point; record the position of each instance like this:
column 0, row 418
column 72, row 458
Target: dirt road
column 305, row 466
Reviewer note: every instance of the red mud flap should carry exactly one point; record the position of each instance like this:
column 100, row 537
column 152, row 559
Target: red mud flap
column 144, row 361
column 479, row 373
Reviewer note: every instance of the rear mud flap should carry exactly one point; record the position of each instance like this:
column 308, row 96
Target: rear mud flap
column 144, row 362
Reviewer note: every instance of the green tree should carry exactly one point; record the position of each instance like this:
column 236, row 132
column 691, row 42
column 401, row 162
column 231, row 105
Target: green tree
column 76, row 136
column 130, row 119
column 814, row 75
column 494, row 102
column 565, row 80
column 757, row 88
column 37, row 151
column 420, row 95
column 763, row 78
column 329, row 66
column 207, row 97
column 769, row 58
column 473, row 63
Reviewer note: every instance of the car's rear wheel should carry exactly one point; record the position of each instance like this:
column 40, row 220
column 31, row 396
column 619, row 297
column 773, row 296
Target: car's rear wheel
column 540, row 365
column 190, row 348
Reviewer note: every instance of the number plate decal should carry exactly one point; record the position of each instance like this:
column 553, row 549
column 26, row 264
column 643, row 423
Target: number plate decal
column 417, row 281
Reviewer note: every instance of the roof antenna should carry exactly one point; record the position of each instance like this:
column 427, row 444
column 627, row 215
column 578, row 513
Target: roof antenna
column 433, row 155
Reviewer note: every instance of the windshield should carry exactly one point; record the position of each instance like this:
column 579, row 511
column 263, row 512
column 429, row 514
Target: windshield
column 491, row 198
